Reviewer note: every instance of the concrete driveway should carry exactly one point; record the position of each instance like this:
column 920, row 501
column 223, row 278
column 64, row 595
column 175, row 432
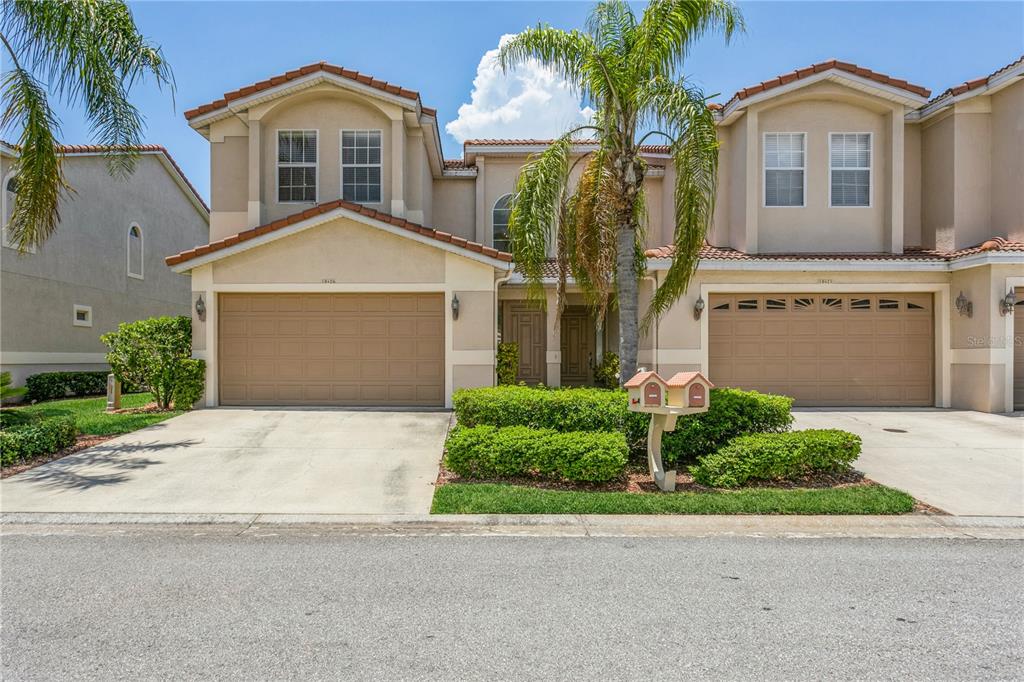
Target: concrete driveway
column 967, row 463
column 222, row 461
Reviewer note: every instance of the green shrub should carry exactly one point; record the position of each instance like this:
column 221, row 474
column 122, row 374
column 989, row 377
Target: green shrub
column 507, row 363
column 190, row 383
column 489, row 452
column 57, row 385
column 731, row 413
column 8, row 392
column 606, row 374
column 36, row 439
column 150, row 353
column 777, row 456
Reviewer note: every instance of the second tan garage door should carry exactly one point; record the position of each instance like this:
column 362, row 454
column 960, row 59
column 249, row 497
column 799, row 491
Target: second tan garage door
column 331, row 349
column 838, row 350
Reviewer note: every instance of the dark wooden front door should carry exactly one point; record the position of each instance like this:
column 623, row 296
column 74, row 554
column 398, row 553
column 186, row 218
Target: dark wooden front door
column 523, row 323
column 578, row 346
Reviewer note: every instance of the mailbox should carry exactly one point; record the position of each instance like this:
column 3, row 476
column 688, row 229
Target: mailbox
column 688, row 389
column 647, row 391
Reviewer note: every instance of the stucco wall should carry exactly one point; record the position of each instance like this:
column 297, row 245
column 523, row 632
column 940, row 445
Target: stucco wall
column 1008, row 161
column 454, row 206
column 972, row 142
column 911, row 185
column 937, row 183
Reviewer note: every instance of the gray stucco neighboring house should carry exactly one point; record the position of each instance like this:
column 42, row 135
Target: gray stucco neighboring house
column 103, row 266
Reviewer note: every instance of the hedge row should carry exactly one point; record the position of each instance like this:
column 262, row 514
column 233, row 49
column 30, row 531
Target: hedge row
column 56, row 385
column 731, row 413
column 777, row 456
column 514, row 451
column 36, row 439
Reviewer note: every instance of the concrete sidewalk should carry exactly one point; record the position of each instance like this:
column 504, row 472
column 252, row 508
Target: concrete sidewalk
column 552, row 525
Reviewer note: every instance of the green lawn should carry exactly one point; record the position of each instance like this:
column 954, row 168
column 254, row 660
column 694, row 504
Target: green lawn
column 499, row 498
column 90, row 416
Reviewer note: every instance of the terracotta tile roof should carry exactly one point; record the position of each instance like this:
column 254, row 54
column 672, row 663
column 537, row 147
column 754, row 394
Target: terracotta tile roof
column 638, row 379
column 456, row 163
column 325, row 208
column 274, row 81
column 709, row 252
column 831, row 64
column 967, row 86
column 683, row 378
column 522, row 142
column 71, row 149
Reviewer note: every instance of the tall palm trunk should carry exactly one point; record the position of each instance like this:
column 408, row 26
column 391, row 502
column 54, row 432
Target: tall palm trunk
column 627, row 291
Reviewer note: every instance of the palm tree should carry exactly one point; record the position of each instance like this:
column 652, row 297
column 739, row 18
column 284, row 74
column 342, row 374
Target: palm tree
column 90, row 53
column 630, row 70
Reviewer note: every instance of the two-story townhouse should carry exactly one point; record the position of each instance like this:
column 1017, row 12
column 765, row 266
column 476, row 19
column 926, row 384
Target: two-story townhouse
column 103, row 266
column 866, row 247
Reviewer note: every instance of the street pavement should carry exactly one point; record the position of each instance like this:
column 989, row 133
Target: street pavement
column 307, row 602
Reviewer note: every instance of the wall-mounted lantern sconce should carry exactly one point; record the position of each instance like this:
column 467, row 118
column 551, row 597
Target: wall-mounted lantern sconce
column 455, row 306
column 963, row 306
column 201, row 307
column 1007, row 302
column 698, row 308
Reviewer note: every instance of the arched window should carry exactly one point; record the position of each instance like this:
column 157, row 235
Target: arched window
column 135, row 251
column 10, row 193
column 499, row 220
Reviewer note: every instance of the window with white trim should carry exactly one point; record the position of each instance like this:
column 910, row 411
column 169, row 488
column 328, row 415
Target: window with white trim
column 81, row 315
column 850, row 169
column 135, row 251
column 499, row 219
column 361, row 166
column 784, row 158
column 296, row 166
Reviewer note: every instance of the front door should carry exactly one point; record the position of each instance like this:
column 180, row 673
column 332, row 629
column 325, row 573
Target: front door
column 578, row 346
column 524, row 324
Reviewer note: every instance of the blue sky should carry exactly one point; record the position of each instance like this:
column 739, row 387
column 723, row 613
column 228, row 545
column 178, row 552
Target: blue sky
column 436, row 48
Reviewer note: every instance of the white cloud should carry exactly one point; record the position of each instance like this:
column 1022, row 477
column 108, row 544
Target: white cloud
column 529, row 101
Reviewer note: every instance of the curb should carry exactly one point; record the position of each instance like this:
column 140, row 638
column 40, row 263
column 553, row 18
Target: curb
column 911, row 526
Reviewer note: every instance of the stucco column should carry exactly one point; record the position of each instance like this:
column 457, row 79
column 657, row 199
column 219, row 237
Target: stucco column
column 254, row 207
column 753, row 193
column 481, row 209
column 398, row 167
column 554, row 340
column 896, row 146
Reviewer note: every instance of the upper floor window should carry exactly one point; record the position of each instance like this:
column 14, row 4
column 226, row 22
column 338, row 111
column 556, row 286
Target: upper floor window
column 360, row 166
column 850, row 169
column 10, row 195
column 784, row 159
column 499, row 219
column 135, row 252
column 296, row 165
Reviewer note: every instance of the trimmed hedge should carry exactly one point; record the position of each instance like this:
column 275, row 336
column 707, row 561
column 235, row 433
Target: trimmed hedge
column 191, row 381
column 36, row 439
column 490, row 452
column 731, row 413
column 57, row 385
column 777, row 456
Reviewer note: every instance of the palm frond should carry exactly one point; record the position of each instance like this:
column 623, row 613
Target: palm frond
column 669, row 28
column 590, row 227
column 40, row 178
column 566, row 52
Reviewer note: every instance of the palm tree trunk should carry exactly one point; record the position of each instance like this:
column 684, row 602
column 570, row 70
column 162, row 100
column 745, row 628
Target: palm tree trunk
column 627, row 291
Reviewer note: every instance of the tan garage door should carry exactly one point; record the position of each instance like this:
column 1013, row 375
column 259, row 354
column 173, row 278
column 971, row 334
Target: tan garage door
column 831, row 349
column 331, row 349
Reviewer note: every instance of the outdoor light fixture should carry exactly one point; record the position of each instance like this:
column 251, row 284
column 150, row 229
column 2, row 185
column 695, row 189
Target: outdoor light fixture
column 1007, row 302
column 201, row 307
column 698, row 308
column 455, row 306
column 963, row 306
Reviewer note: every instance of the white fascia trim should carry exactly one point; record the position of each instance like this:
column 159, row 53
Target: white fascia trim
column 987, row 258
column 43, row 358
column 996, row 83
column 300, row 83
column 459, row 173
column 811, row 265
column 339, row 212
column 888, row 92
column 9, row 150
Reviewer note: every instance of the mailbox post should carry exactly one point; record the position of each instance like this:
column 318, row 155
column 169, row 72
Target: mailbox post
column 685, row 393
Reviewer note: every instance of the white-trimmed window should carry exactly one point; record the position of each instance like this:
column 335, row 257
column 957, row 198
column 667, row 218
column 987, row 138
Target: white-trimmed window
column 849, row 169
column 784, row 166
column 361, row 166
column 81, row 315
column 136, row 252
column 499, row 222
column 296, row 166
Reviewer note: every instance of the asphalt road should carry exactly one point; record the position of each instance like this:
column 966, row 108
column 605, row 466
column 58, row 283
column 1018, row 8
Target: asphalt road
column 306, row 604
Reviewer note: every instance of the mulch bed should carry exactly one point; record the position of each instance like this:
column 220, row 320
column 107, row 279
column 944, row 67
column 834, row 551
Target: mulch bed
column 81, row 443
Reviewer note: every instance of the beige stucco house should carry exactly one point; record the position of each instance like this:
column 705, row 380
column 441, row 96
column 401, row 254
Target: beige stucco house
column 103, row 266
column 865, row 247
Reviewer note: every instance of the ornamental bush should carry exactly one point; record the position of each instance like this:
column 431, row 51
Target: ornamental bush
column 606, row 374
column 777, row 456
column 517, row 451
column 36, row 439
column 507, row 363
column 190, row 383
column 57, row 385
column 152, row 353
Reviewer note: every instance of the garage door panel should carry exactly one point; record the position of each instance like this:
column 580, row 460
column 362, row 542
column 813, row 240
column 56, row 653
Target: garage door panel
column 843, row 349
column 344, row 349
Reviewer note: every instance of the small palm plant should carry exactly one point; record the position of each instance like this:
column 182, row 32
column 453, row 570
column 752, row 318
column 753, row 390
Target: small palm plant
column 630, row 69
